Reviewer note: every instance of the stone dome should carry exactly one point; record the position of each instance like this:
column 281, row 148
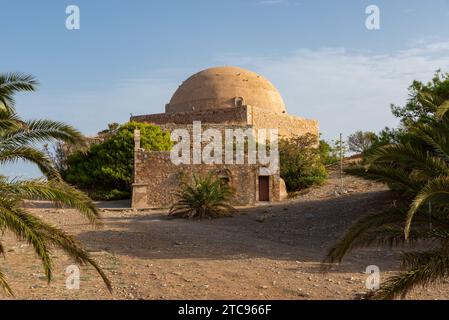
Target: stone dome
column 225, row 87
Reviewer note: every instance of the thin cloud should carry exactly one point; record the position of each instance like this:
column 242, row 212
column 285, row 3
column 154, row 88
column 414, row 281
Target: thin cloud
column 347, row 90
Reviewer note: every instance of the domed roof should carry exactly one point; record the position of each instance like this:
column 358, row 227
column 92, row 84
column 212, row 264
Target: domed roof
column 225, row 87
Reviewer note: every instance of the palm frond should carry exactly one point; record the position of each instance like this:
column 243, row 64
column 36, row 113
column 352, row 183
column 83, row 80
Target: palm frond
column 435, row 190
column 19, row 140
column 12, row 83
column 353, row 238
column 397, row 178
column 73, row 248
column 410, row 155
column 423, row 269
column 442, row 109
column 4, row 284
column 55, row 191
column 26, row 226
column 38, row 131
column 32, row 155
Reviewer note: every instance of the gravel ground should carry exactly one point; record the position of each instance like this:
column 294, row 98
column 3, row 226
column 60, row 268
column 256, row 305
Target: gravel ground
column 266, row 252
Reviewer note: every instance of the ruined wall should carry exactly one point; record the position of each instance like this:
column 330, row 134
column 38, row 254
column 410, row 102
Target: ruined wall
column 224, row 116
column 157, row 179
column 288, row 125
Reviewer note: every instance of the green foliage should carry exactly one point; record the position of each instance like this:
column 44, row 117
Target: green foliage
column 207, row 197
column 108, row 195
column 361, row 141
column 416, row 166
column 421, row 107
column 385, row 137
column 424, row 98
column 105, row 169
column 300, row 162
column 18, row 141
column 328, row 154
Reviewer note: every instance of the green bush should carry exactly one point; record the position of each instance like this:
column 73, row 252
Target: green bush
column 107, row 195
column 105, row 169
column 328, row 154
column 300, row 162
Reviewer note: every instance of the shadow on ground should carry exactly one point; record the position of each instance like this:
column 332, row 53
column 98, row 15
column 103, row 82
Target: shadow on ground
column 296, row 230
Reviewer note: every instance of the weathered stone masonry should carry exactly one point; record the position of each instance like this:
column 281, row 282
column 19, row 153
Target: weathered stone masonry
column 221, row 98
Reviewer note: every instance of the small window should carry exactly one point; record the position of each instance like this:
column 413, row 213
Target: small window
column 239, row 102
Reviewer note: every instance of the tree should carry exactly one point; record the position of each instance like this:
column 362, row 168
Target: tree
column 418, row 170
column 207, row 197
column 105, row 169
column 328, row 154
column 109, row 132
column 423, row 99
column 300, row 162
column 18, row 141
column 361, row 141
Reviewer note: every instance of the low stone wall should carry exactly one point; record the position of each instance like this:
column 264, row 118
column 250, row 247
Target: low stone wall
column 156, row 179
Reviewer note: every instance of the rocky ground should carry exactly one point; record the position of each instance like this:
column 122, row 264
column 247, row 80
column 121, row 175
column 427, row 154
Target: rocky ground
column 267, row 252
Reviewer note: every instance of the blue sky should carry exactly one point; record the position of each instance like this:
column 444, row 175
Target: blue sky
column 130, row 56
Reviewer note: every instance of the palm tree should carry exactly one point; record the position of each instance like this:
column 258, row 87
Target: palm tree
column 417, row 169
column 207, row 198
column 19, row 140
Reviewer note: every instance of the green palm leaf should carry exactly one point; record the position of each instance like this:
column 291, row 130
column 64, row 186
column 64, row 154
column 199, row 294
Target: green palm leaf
column 20, row 140
column 12, row 83
column 206, row 198
column 423, row 269
column 436, row 190
column 419, row 169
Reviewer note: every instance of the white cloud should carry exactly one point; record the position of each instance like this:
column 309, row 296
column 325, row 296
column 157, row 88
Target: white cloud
column 347, row 90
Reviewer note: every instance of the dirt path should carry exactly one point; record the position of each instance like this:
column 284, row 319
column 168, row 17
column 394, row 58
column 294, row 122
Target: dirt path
column 268, row 252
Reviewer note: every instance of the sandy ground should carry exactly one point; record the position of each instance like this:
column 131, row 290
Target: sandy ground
column 267, row 252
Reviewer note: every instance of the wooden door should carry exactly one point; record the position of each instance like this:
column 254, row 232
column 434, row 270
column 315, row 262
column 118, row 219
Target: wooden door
column 264, row 188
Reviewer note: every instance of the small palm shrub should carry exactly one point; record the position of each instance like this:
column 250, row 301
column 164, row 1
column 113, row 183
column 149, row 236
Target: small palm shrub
column 417, row 169
column 207, row 197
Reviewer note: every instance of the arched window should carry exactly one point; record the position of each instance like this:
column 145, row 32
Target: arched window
column 239, row 101
column 224, row 176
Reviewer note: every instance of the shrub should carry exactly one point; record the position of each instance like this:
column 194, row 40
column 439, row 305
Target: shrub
column 328, row 154
column 206, row 198
column 105, row 169
column 300, row 162
column 361, row 141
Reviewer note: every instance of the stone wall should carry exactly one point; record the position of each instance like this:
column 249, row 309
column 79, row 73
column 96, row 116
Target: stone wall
column 288, row 125
column 223, row 116
column 157, row 179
